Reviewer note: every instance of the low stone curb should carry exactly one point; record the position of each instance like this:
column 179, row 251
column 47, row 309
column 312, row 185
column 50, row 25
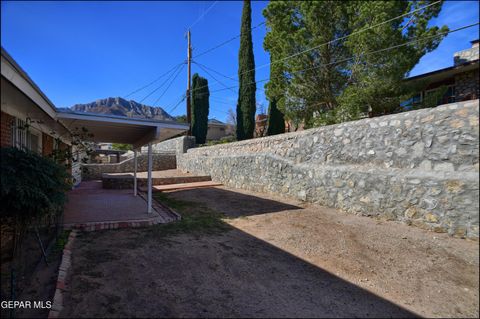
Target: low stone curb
column 160, row 206
column 65, row 265
column 93, row 226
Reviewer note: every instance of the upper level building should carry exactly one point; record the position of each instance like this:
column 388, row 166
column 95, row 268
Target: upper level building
column 457, row 83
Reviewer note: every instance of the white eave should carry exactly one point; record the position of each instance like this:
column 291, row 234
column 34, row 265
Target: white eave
column 118, row 129
column 18, row 77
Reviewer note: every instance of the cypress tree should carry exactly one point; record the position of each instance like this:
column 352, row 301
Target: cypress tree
column 200, row 108
column 246, row 105
column 276, row 119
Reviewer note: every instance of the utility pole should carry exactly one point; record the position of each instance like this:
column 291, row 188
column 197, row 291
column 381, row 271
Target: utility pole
column 189, row 63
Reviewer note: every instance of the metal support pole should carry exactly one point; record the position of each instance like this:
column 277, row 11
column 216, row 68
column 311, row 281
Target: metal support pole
column 189, row 66
column 134, row 172
column 149, row 178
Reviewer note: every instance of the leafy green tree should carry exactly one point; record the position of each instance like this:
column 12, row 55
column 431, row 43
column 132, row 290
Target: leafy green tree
column 181, row 118
column 343, row 80
column 122, row 147
column 200, row 108
column 246, row 105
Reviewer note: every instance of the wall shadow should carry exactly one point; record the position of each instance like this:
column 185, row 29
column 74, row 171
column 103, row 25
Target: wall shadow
column 205, row 273
column 231, row 203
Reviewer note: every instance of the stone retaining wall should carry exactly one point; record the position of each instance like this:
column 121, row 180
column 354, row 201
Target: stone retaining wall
column 161, row 161
column 177, row 145
column 420, row 167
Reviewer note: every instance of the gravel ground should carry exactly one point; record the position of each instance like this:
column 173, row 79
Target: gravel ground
column 272, row 258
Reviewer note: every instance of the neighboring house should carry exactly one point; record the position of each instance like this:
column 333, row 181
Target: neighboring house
column 217, row 130
column 260, row 125
column 460, row 81
column 104, row 146
column 291, row 127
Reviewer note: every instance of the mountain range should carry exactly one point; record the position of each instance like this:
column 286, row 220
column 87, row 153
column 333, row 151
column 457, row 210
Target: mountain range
column 121, row 107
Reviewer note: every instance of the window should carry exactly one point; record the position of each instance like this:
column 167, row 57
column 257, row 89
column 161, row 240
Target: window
column 417, row 99
column 450, row 94
column 19, row 136
column 24, row 138
column 32, row 142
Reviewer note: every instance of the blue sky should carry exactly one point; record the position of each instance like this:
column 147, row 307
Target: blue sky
column 78, row 52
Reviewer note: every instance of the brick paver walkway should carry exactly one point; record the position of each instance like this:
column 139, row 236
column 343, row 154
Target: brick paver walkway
column 91, row 205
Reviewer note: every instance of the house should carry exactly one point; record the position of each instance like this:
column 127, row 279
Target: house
column 104, row 146
column 29, row 120
column 459, row 82
column 217, row 130
column 260, row 125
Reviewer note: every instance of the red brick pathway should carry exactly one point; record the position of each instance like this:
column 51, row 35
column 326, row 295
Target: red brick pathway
column 90, row 207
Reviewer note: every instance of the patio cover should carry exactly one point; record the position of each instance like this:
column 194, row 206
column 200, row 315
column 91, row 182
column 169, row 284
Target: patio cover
column 119, row 129
column 125, row 130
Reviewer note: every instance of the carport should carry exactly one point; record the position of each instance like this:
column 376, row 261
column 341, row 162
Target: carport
column 117, row 129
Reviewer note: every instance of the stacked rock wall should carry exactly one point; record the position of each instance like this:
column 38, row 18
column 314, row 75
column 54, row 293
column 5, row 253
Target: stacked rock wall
column 161, row 161
column 420, row 167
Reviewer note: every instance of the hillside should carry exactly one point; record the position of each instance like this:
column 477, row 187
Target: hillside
column 121, row 107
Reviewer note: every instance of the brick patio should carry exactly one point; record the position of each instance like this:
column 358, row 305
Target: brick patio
column 90, row 207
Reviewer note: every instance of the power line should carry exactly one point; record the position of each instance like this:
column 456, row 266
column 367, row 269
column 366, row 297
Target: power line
column 169, row 85
column 178, row 103
column 147, row 85
column 204, row 69
column 225, row 76
column 223, row 102
column 221, row 74
column 202, row 15
column 163, row 83
column 225, row 42
column 222, row 111
column 341, row 38
column 365, row 54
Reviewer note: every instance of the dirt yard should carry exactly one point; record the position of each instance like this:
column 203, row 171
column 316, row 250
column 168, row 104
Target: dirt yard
column 267, row 257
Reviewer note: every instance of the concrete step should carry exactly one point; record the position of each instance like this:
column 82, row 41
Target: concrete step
column 167, row 177
column 170, row 187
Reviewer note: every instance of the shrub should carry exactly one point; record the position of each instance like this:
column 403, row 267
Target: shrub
column 223, row 140
column 32, row 186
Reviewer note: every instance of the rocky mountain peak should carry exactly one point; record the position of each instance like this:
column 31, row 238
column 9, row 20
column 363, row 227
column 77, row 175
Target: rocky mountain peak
column 122, row 107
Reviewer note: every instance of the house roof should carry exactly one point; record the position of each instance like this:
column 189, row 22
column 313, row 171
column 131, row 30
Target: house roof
column 439, row 75
column 18, row 77
column 214, row 121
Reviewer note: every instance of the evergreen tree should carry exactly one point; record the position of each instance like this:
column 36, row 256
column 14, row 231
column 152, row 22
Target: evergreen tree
column 276, row 119
column 274, row 92
column 200, row 108
column 341, row 80
column 246, row 105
